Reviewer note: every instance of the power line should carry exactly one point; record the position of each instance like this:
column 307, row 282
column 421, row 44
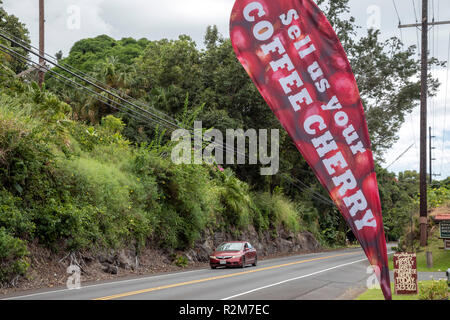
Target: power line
column 87, row 76
column 399, row 157
column 90, row 82
column 97, row 95
column 445, row 105
column 403, row 45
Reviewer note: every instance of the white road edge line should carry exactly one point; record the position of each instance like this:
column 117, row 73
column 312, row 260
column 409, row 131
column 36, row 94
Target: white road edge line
column 296, row 278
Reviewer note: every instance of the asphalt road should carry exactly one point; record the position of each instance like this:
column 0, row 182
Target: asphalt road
column 323, row 276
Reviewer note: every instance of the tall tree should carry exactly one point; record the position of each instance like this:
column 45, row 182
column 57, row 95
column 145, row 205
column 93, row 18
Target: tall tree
column 11, row 25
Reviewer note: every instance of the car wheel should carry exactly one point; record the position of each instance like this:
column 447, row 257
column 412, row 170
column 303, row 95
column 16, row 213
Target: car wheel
column 243, row 262
column 256, row 261
column 212, row 267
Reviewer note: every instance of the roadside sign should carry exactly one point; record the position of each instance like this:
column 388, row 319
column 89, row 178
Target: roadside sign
column 447, row 244
column 444, row 227
column 405, row 273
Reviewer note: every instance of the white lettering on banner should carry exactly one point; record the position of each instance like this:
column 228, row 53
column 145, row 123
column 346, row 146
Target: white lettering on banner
column 368, row 221
column 333, row 104
column 345, row 182
column 294, row 32
column 300, row 44
column 350, row 134
column 252, row 7
column 286, row 19
column 324, row 144
column 312, row 120
column 273, row 46
column 323, row 85
column 358, row 148
column 341, row 118
column 301, row 97
column 336, row 161
column 293, row 85
column 289, row 81
column 356, row 203
column 283, row 63
column 263, row 30
column 315, row 71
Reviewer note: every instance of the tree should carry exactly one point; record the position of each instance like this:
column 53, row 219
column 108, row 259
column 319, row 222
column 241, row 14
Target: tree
column 11, row 25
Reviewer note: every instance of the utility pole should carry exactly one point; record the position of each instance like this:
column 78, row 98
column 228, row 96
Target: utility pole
column 423, row 119
column 423, row 128
column 41, row 40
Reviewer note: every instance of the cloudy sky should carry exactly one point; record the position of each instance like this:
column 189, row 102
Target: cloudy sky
column 70, row 20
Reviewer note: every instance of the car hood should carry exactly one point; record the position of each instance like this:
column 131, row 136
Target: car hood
column 226, row 253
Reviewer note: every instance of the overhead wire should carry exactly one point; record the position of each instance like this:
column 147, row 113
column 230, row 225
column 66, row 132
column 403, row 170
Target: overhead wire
column 2, row 35
column 403, row 45
column 445, row 106
column 74, row 83
column 87, row 76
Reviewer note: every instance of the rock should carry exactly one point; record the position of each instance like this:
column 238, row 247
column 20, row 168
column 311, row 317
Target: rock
column 125, row 261
column 109, row 268
column 108, row 259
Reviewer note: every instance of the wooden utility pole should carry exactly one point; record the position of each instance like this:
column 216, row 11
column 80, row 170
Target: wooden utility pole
column 423, row 119
column 41, row 40
column 423, row 128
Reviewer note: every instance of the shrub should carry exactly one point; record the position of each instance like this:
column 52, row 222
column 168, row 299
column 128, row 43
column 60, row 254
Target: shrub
column 13, row 254
column 236, row 200
column 186, row 196
column 276, row 210
column 17, row 221
column 181, row 261
column 433, row 290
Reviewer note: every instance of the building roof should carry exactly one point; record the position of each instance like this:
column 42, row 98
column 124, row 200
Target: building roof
column 442, row 217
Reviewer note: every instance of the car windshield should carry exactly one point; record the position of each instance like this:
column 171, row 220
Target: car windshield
column 230, row 247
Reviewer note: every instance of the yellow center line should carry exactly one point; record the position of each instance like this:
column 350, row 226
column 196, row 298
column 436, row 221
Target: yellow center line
column 132, row 293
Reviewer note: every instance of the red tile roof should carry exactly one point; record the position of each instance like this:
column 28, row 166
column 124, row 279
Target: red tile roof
column 442, row 217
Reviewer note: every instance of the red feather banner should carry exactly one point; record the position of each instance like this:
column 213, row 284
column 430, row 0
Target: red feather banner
column 295, row 59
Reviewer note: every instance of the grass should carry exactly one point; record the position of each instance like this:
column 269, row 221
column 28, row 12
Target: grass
column 441, row 257
column 377, row 294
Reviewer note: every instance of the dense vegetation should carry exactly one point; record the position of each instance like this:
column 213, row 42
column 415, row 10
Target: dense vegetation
column 77, row 174
column 74, row 186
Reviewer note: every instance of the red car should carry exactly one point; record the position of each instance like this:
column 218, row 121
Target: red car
column 233, row 254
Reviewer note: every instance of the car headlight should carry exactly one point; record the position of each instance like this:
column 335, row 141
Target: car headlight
column 234, row 257
column 213, row 257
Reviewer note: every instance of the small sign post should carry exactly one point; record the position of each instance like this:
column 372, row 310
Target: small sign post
column 447, row 244
column 405, row 273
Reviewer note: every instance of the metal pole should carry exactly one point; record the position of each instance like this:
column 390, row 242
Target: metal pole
column 41, row 40
column 423, row 128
